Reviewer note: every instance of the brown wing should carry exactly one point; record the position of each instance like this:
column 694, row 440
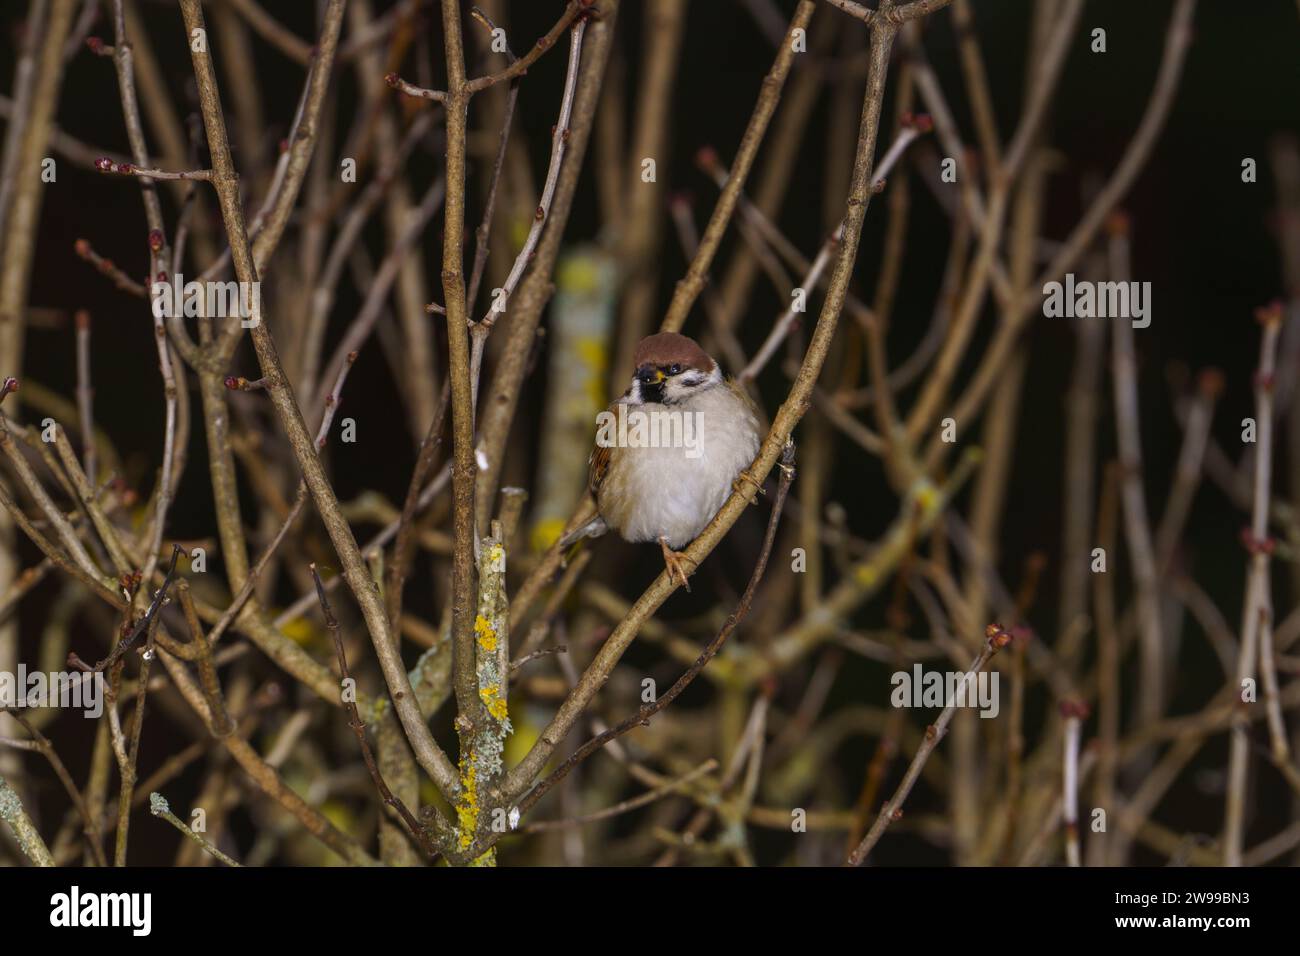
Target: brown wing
column 598, row 463
column 597, row 468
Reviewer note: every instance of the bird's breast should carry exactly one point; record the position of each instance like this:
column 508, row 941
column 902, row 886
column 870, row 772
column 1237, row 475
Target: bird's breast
column 671, row 467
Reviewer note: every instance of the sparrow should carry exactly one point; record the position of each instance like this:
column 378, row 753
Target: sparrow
column 698, row 434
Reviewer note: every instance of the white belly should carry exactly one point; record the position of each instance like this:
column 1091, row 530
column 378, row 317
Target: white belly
column 673, row 490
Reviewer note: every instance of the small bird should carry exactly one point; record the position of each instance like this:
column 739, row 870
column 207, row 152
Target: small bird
column 670, row 449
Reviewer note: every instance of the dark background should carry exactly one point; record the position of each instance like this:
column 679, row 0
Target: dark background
column 1203, row 238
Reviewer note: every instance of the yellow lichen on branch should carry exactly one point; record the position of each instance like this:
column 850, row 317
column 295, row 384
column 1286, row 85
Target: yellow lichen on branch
column 482, row 765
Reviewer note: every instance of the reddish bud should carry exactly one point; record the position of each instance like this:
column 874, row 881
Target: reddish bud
column 104, row 164
column 125, row 493
column 131, row 582
column 10, row 385
column 920, row 122
column 1255, row 545
column 82, row 248
column 1211, row 382
column 82, row 318
column 1117, row 223
column 1074, row 709
column 234, row 382
column 155, row 240
column 707, row 158
column 1270, row 313
column 126, row 169
column 392, row 79
column 997, row 636
column 95, row 45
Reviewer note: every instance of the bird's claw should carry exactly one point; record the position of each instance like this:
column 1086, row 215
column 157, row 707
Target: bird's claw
column 745, row 476
column 673, row 561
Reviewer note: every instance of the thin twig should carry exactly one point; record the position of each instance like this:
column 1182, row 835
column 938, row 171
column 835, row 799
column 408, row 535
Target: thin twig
column 1257, row 606
column 355, row 570
column 996, row 639
column 413, row 825
column 159, row 807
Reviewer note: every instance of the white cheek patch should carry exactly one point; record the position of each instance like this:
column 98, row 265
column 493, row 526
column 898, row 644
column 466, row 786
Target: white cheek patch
column 688, row 382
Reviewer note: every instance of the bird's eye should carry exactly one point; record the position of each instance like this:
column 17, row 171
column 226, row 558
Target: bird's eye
column 674, row 369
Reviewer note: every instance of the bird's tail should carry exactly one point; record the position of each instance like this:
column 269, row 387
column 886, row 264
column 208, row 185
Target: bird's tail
column 591, row 529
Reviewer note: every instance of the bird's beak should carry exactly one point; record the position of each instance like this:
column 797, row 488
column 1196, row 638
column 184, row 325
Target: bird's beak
column 650, row 375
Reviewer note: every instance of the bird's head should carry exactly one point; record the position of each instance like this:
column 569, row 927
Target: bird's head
column 670, row 368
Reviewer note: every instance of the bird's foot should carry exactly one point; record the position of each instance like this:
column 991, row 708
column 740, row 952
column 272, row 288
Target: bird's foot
column 745, row 476
column 673, row 560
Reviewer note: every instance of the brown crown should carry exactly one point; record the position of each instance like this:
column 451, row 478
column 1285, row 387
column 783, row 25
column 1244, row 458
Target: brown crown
column 669, row 348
